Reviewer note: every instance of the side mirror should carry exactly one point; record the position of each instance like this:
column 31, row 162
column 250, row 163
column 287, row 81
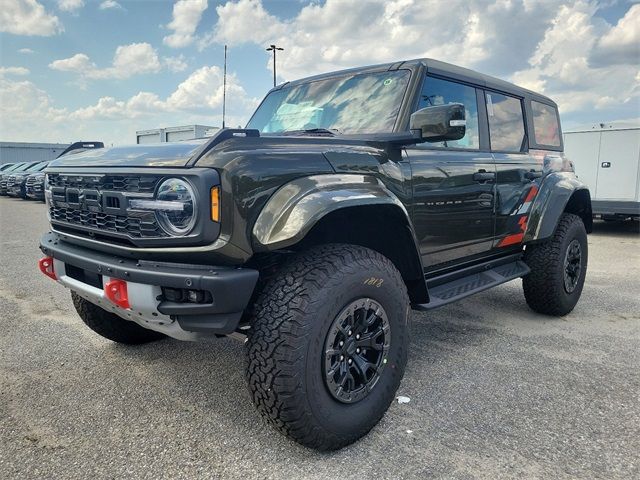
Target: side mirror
column 440, row 123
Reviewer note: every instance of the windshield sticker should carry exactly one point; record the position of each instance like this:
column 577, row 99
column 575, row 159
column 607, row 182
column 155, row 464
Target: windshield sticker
column 387, row 82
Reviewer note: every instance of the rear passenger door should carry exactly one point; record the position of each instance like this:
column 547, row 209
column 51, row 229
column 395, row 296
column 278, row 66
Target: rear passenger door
column 453, row 182
column 517, row 171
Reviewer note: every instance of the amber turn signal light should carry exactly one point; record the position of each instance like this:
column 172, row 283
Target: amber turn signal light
column 215, row 204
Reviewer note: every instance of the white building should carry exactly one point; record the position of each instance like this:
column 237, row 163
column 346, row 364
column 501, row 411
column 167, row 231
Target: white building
column 14, row 152
column 174, row 134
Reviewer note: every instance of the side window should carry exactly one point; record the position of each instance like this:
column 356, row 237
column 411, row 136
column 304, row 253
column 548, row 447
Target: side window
column 545, row 124
column 441, row 92
column 506, row 124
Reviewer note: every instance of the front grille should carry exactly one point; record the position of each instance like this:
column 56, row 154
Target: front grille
column 98, row 204
column 34, row 184
column 113, row 183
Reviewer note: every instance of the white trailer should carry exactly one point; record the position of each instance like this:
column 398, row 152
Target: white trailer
column 607, row 159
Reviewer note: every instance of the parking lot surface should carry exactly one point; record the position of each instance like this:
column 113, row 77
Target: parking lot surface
column 496, row 391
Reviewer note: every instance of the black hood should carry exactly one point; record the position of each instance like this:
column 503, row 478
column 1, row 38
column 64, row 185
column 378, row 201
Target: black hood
column 175, row 154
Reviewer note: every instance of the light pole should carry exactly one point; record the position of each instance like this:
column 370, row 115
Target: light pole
column 274, row 48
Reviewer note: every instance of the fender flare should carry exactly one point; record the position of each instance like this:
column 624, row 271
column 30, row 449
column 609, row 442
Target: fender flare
column 554, row 194
column 297, row 206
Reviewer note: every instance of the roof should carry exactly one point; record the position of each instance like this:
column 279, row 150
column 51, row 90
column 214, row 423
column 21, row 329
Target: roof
column 444, row 69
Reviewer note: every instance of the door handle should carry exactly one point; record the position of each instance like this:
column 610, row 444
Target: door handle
column 484, row 176
column 532, row 175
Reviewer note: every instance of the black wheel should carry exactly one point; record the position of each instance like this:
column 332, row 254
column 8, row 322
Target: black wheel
column 111, row 326
column 558, row 268
column 328, row 344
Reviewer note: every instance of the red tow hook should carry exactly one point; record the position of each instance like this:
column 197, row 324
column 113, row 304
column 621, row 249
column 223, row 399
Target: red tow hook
column 116, row 291
column 46, row 266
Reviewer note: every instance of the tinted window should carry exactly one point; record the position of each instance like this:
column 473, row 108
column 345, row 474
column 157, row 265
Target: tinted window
column 545, row 124
column 441, row 92
column 506, row 124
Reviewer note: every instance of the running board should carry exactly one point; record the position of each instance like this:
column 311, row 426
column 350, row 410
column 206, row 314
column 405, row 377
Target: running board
column 466, row 286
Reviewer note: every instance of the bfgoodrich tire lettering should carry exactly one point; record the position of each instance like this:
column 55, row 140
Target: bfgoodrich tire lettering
column 286, row 345
column 111, row 326
column 546, row 288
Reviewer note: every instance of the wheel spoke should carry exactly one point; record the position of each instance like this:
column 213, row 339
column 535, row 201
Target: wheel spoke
column 369, row 340
column 363, row 366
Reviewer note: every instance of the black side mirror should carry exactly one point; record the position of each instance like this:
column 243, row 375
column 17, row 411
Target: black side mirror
column 440, row 123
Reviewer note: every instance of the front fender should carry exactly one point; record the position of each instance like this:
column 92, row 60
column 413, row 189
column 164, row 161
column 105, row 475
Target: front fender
column 296, row 207
column 551, row 201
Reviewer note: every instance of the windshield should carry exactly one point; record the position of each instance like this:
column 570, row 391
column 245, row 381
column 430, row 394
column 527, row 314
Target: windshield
column 37, row 167
column 363, row 103
column 22, row 167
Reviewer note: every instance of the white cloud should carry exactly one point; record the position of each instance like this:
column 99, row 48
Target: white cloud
column 200, row 92
column 70, row 5
column 197, row 99
column 111, row 5
column 564, row 49
column 345, row 33
column 562, row 64
column 243, row 21
column 14, row 71
column 26, row 51
column 186, row 17
column 128, row 60
column 30, row 110
column 79, row 63
column 621, row 44
column 176, row 64
column 27, row 17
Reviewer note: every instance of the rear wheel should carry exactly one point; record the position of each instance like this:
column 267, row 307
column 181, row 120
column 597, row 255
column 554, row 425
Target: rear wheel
column 558, row 268
column 111, row 326
column 328, row 344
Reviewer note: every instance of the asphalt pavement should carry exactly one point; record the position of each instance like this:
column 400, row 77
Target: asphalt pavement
column 496, row 391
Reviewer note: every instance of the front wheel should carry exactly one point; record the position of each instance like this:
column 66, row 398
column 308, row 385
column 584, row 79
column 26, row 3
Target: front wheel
column 328, row 345
column 558, row 268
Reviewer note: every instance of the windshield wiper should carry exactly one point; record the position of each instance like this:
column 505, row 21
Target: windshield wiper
column 313, row 131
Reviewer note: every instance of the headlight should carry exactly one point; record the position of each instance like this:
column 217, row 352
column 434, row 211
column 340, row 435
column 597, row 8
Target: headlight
column 174, row 204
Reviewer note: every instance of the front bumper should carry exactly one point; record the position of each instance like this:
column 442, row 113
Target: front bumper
column 230, row 288
column 34, row 190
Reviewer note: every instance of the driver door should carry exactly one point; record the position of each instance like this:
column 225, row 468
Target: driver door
column 453, row 183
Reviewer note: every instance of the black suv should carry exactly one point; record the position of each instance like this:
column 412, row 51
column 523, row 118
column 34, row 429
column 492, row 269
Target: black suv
column 349, row 198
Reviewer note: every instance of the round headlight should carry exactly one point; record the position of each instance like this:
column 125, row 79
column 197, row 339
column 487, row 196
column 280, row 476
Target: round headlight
column 177, row 206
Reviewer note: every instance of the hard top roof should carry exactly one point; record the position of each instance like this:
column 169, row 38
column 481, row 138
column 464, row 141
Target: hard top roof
column 436, row 67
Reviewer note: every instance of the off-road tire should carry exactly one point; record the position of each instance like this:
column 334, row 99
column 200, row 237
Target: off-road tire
column 111, row 326
column 544, row 288
column 291, row 320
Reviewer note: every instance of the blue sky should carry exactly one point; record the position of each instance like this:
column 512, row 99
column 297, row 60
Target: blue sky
column 96, row 70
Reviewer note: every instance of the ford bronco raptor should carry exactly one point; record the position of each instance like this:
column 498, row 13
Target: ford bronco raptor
column 349, row 199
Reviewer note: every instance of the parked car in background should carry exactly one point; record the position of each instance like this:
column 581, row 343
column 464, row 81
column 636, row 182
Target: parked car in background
column 6, row 166
column 16, row 180
column 29, row 183
column 18, row 167
column 34, row 186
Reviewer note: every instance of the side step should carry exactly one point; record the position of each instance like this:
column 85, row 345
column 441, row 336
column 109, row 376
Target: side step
column 456, row 289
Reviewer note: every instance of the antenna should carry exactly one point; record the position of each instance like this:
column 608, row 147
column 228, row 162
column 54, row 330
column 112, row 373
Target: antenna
column 224, row 87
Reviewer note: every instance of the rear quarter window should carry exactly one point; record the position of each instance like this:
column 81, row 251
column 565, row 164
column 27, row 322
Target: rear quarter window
column 545, row 124
column 506, row 122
